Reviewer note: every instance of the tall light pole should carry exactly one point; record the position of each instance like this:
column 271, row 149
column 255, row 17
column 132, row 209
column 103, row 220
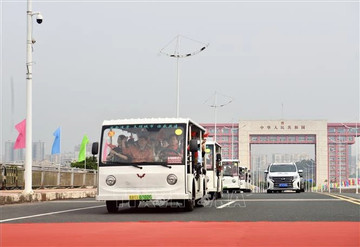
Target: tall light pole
column 216, row 105
column 232, row 140
column 340, row 164
column 29, row 42
column 176, row 54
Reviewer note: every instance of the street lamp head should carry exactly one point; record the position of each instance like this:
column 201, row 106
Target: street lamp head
column 39, row 18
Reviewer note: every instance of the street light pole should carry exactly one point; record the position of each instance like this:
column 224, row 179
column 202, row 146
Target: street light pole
column 340, row 162
column 216, row 105
column 232, row 140
column 177, row 55
column 28, row 145
column 28, row 152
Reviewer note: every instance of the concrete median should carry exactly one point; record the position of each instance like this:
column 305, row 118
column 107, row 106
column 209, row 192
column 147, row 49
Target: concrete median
column 17, row 196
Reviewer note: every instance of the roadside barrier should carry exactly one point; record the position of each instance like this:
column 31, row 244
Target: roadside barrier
column 12, row 177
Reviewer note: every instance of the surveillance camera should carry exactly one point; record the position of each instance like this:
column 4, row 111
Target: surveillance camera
column 39, row 18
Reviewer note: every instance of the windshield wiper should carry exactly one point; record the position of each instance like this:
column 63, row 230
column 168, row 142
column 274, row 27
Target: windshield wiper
column 162, row 164
column 165, row 165
column 135, row 165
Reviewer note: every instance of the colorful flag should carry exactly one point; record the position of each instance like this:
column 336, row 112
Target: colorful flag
column 21, row 139
column 82, row 153
column 56, row 145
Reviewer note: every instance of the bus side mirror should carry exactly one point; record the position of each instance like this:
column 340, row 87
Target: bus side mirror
column 95, row 148
column 218, row 157
column 193, row 145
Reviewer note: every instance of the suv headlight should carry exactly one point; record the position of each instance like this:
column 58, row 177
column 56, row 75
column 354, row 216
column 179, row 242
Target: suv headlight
column 295, row 177
column 110, row 180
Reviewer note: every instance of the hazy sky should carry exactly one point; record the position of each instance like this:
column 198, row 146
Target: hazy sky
column 96, row 60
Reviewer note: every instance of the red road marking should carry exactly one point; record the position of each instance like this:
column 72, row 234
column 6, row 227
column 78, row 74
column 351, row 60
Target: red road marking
column 182, row 234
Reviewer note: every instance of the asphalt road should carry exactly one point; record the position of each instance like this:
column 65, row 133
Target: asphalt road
column 246, row 207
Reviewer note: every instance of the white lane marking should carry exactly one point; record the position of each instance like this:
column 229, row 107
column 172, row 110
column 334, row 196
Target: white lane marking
column 63, row 201
column 226, row 204
column 51, row 213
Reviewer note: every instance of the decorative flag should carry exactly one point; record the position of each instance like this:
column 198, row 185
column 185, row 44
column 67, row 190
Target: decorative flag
column 21, row 139
column 56, row 145
column 82, row 153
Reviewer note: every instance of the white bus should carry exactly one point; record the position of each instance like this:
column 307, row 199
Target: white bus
column 235, row 177
column 150, row 159
column 213, row 169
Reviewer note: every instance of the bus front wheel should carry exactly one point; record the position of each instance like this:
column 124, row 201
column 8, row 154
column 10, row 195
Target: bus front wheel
column 189, row 204
column 112, row 206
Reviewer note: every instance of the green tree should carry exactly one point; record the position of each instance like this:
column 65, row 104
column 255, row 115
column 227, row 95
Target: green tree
column 91, row 163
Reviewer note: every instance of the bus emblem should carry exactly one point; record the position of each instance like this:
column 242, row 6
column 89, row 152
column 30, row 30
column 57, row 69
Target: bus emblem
column 141, row 176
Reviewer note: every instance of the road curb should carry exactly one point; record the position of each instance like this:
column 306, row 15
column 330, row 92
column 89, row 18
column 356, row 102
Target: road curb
column 38, row 196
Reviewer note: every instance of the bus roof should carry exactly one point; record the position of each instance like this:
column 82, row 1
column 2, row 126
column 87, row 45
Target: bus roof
column 211, row 142
column 152, row 121
column 231, row 160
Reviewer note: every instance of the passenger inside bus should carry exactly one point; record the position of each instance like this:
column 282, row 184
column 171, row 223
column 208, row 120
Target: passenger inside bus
column 141, row 151
column 173, row 148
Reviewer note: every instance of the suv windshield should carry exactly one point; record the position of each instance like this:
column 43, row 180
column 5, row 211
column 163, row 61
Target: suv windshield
column 143, row 144
column 283, row 168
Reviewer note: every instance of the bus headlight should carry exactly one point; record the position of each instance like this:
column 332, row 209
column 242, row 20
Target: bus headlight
column 207, row 179
column 233, row 180
column 110, row 180
column 171, row 179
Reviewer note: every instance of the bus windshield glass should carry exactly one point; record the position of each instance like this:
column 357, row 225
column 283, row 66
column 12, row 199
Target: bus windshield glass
column 209, row 157
column 143, row 144
column 242, row 173
column 283, row 168
column 230, row 168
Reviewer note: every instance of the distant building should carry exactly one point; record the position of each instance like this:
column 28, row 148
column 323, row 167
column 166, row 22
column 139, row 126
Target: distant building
column 332, row 143
column 18, row 155
column 77, row 150
column 227, row 137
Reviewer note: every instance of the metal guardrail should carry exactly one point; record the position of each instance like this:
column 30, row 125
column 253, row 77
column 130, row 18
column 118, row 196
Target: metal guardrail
column 12, row 177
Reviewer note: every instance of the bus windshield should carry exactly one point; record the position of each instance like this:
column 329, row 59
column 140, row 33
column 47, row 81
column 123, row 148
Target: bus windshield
column 230, row 168
column 143, row 144
column 242, row 173
column 209, row 157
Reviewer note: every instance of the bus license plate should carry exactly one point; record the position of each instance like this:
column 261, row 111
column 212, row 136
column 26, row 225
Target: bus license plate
column 283, row 185
column 140, row 197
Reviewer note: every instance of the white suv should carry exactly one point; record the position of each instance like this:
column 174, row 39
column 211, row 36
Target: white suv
column 283, row 176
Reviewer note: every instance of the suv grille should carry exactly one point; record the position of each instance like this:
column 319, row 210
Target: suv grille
column 283, row 180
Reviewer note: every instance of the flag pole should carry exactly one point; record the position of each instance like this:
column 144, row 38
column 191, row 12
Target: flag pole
column 60, row 157
column 85, row 156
